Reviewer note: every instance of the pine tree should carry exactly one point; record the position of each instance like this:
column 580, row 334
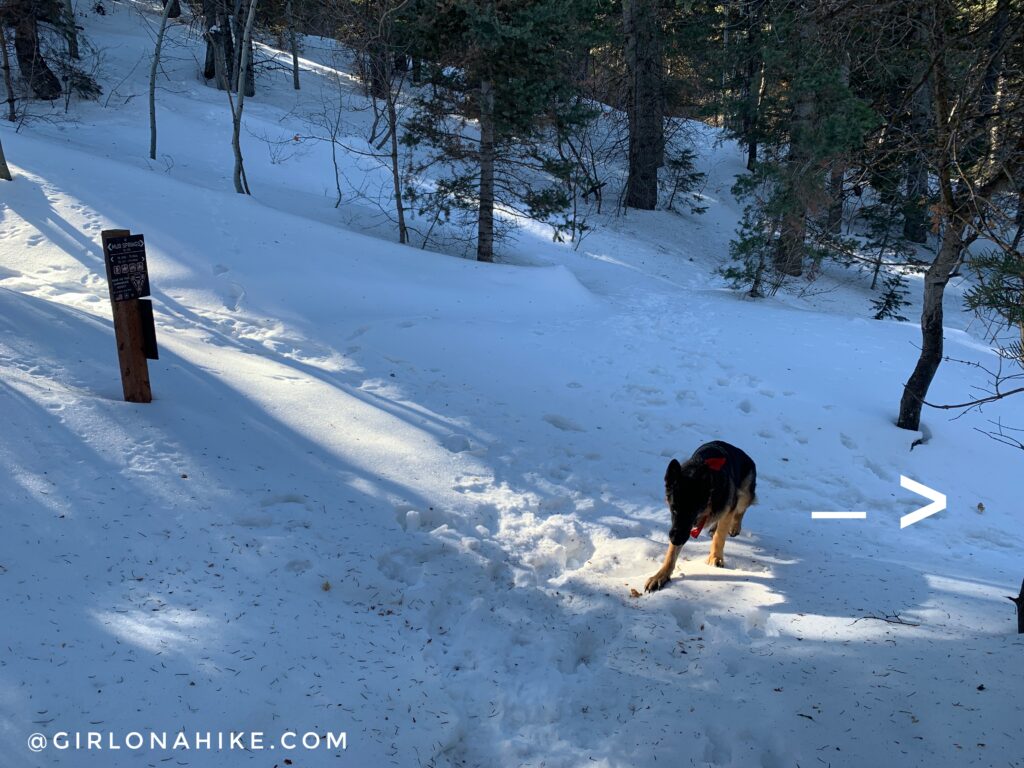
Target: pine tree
column 808, row 121
column 507, row 65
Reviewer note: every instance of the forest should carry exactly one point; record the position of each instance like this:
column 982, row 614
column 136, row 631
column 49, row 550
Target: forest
column 434, row 321
column 878, row 134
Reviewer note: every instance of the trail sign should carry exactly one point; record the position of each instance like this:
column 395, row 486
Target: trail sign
column 127, row 275
column 134, row 330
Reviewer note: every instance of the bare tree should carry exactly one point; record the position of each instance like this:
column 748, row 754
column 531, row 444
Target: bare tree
column 289, row 13
column 241, row 184
column 976, row 154
column 168, row 7
column 372, row 32
column 12, row 114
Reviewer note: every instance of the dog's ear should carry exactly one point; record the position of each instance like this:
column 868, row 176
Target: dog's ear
column 672, row 473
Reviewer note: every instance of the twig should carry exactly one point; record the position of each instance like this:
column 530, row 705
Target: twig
column 894, row 618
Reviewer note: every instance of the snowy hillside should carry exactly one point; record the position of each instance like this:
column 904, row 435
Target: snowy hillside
column 405, row 495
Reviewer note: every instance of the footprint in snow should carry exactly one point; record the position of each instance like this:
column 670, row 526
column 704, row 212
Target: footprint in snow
column 457, row 443
column 745, row 406
column 563, row 423
column 233, row 296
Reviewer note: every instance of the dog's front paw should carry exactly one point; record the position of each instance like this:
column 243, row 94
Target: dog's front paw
column 718, row 562
column 735, row 530
column 656, row 582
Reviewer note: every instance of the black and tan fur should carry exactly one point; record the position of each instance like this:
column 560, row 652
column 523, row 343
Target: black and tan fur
column 712, row 488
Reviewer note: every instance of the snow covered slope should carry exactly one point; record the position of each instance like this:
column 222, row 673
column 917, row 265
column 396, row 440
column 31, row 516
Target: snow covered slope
column 405, row 495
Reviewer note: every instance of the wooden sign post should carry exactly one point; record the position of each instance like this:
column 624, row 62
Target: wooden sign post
column 134, row 330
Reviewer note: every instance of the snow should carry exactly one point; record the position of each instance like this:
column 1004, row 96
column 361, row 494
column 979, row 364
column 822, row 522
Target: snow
column 404, row 495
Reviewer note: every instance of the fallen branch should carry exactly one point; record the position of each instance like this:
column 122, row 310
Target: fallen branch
column 894, row 618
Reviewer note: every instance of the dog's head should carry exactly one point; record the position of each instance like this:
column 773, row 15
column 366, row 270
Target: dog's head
column 688, row 493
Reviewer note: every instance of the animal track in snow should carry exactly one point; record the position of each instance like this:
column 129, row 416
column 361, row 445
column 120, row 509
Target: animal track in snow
column 563, row 423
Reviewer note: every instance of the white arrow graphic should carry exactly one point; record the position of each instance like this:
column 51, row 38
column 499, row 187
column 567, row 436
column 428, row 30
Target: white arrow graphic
column 938, row 501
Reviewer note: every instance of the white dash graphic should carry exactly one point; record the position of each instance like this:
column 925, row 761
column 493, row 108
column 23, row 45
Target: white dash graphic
column 839, row 515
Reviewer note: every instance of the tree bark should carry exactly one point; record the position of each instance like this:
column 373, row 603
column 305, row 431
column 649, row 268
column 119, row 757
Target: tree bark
column 644, row 103
column 485, row 221
column 915, row 219
column 836, row 193
column 219, row 45
column 798, row 175
column 168, row 6
column 241, row 184
column 12, row 114
column 70, row 29
column 5, row 172
column 396, row 176
column 175, row 11
column 915, row 222
column 41, row 80
column 935, row 280
column 754, row 77
column 294, row 42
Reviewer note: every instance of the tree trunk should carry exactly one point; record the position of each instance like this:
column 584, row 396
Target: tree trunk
column 41, row 80
column 1019, row 602
column 752, row 116
column 644, row 103
column 935, row 279
column 837, row 196
column 485, row 224
column 5, row 172
column 175, row 11
column 168, row 6
column 12, row 114
column 241, row 184
column 754, row 77
column 915, row 219
column 294, row 42
column 798, row 175
column 246, row 80
column 995, row 53
column 219, row 45
column 396, row 176
column 70, row 29
column 379, row 62
column 242, row 61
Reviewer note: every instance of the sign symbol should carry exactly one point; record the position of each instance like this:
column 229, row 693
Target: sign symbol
column 938, row 501
column 839, row 515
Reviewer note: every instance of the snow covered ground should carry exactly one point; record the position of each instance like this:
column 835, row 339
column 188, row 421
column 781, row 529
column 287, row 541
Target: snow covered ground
column 405, row 495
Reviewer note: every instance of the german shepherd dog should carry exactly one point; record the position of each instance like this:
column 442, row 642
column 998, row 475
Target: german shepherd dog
column 715, row 486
